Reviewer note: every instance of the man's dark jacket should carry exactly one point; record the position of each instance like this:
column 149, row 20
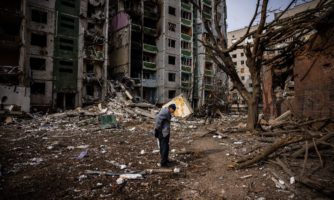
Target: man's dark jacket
column 162, row 122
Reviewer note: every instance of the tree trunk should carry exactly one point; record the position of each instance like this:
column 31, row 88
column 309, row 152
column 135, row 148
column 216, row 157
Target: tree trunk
column 252, row 115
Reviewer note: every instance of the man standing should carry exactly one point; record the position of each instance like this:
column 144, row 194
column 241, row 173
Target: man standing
column 162, row 128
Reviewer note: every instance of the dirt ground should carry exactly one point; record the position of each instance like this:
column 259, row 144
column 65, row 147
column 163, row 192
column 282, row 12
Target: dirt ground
column 42, row 163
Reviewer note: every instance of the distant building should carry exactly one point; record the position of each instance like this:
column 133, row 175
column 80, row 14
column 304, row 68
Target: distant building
column 239, row 60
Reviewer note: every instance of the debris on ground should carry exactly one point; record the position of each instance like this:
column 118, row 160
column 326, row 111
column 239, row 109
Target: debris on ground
column 106, row 150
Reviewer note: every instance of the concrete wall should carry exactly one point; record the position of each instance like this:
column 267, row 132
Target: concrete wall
column 119, row 59
column 33, row 51
column 16, row 95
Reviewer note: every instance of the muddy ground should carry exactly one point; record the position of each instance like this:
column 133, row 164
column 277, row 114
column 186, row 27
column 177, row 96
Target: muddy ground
column 39, row 162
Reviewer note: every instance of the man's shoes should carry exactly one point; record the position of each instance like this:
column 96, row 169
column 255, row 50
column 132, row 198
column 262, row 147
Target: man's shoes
column 165, row 164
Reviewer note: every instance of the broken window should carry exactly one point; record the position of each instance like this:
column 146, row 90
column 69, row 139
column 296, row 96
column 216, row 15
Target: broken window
column 185, row 45
column 38, row 88
column 39, row 16
column 171, row 43
column 148, row 75
column 185, row 77
column 234, row 63
column 89, row 68
column 186, row 15
column 208, row 80
column 171, row 60
column 171, row 94
column 38, row 40
column 171, row 10
column 250, row 85
column 171, row 26
column 171, row 77
column 186, row 61
column 207, row 9
column 242, row 54
column 148, row 57
column 242, row 62
column 68, row 3
column 234, row 55
column 37, row 64
column 90, row 90
column 242, row 78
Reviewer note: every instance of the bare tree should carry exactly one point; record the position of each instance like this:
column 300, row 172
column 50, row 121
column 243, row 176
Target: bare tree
column 266, row 37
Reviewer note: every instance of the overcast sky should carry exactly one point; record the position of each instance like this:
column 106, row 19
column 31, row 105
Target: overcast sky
column 239, row 12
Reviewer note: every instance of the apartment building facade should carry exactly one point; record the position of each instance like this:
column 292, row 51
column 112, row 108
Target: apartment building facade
column 55, row 54
column 14, row 87
column 158, row 45
column 61, row 52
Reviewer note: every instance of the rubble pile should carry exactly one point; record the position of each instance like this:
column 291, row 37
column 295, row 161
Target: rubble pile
column 119, row 107
column 300, row 147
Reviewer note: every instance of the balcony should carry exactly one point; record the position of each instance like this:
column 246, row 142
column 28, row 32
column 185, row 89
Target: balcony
column 151, row 83
column 186, row 6
column 186, row 22
column 149, row 31
column 206, row 15
column 208, row 86
column 208, row 72
column 186, row 69
column 150, row 48
column 185, row 84
column 92, row 54
column 207, row 2
column 208, row 60
column 136, row 27
column 149, row 65
column 9, row 41
column 186, row 53
column 186, row 37
column 149, row 14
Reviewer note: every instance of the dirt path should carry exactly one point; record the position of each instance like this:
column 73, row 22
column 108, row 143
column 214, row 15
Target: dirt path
column 209, row 177
column 212, row 179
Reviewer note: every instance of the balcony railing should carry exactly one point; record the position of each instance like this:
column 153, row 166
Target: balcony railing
column 185, row 84
column 208, row 72
column 136, row 27
column 208, row 86
column 185, row 37
column 149, row 65
column 208, row 59
column 186, row 22
column 186, row 69
column 149, row 83
column 149, row 31
column 150, row 48
column 186, row 6
column 186, row 53
column 207, row 15
column 150, row 14
column 207, row 2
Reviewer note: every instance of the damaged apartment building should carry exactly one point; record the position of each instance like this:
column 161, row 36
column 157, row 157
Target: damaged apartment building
column 53, row 53
column 157, row 44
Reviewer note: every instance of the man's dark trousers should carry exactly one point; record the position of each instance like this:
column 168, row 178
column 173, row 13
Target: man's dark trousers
column 164, row 149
